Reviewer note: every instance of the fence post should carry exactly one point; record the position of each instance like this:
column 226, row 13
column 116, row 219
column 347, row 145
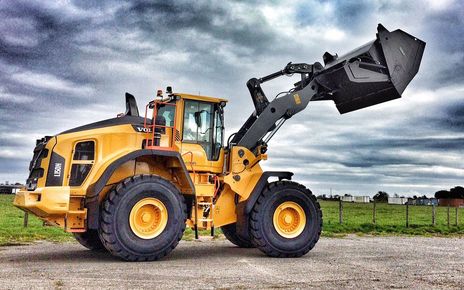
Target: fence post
column 340, row 211
column 407, row 215
column 373, row 214
column 433, row 215
column 448, row 214
column 26, row 219
column 457, row 219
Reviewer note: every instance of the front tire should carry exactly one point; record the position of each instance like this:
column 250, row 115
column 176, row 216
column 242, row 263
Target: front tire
column 90, row 239
column 230, row 232
column 143, row 218
column 286, row 220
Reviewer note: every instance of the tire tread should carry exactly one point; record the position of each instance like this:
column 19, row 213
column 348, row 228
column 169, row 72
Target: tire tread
column 108, row 237
column 256, row 237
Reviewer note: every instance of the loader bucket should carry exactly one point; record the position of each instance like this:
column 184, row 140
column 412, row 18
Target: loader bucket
column 374, row 73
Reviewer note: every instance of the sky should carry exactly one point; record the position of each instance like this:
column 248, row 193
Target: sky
column 68, row 63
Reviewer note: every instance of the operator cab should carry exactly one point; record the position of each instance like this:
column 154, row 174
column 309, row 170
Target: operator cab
column 190, row 124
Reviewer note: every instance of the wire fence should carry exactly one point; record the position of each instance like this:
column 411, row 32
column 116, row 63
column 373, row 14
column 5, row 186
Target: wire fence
column 391, row 214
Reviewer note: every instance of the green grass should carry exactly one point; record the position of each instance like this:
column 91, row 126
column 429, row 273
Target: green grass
column 12, row 230
column 390, row 219
column 357, row 219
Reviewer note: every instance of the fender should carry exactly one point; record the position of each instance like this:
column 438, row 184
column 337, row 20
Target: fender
column 93, row 192
column 244, row 208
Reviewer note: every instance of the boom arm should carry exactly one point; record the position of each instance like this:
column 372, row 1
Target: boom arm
column 270, row 116
column 377, row 72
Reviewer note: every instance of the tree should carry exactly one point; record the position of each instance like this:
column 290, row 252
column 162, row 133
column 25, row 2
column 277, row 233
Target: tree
column 457, row 192
column 442, row 194
column 381, row 196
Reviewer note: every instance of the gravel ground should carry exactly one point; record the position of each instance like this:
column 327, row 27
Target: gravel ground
column 351, row 262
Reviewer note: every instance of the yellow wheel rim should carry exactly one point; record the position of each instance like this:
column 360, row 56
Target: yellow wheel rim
column 148, row 218
column 289, row 219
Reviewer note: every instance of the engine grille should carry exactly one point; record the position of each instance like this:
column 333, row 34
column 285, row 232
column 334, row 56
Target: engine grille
column 35, row 171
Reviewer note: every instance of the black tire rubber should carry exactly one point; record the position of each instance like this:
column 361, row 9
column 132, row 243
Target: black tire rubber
column 262, row 231
column 90, row 239
column 230, row 233
column 115, row 231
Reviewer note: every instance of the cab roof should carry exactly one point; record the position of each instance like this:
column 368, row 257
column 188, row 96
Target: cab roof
column 200, row 98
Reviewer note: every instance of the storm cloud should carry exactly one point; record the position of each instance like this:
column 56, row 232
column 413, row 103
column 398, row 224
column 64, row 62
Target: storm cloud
column 68, row 63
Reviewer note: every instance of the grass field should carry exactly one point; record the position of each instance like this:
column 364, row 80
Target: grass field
column 390, row 219
column 13, row 232
column 357, row 218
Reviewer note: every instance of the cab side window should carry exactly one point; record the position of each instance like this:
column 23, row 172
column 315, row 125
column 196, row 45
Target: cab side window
column 167, row 113
column 83, row 158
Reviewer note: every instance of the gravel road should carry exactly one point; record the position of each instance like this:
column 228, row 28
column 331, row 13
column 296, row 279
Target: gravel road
column 350, row 262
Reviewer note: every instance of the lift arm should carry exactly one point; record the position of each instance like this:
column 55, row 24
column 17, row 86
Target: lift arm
column 261, row 102
column 377, row 72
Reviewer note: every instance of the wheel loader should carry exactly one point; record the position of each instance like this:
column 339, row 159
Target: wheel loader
column 130, row 185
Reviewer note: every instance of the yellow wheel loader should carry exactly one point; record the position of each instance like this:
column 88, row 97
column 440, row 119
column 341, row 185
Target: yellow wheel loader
column 133, row 183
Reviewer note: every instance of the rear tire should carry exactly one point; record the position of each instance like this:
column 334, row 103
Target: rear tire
column 142, row 218
column 230, row 232
column 90, row 239
column 286, row 220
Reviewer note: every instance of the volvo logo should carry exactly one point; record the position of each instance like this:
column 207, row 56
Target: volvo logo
column 141, row 129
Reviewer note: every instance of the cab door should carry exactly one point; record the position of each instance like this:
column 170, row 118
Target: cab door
column 202, row 136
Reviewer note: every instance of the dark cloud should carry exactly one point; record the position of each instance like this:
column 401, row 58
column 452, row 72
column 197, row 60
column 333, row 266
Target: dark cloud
column 48, row 35
column 13, row 165
column 353, row 13
column 64, row 65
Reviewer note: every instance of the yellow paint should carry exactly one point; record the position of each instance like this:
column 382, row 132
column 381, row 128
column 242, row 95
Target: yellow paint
column 64, row 205
column 148, row 218
column 195, row 159
column 248, row 175
column 224, row 209
column 206, row 189
column 44, row 201
column 111, row 143
column 297, row 99
column 289, row 219
column 200, row 98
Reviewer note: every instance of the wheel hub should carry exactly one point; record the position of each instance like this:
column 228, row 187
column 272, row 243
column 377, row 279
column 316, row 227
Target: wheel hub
column 289, row 219
column 148, row 218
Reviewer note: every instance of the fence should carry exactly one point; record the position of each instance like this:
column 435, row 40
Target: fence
column 390, row 214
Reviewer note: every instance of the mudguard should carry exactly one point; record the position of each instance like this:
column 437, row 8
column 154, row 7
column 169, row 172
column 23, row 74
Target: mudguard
column 244, row 208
